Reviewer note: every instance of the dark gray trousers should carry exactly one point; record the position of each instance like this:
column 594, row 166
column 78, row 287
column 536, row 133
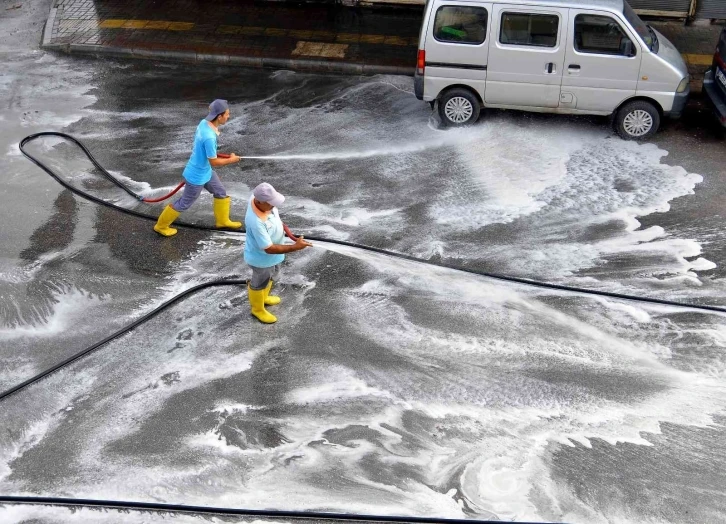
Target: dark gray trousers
column 262, row 275
column 192, row 192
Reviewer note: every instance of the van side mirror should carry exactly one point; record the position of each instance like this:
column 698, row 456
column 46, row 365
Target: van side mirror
column 627, row 48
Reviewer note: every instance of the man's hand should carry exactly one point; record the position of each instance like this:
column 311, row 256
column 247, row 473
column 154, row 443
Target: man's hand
column 282, row 249
column 224, row 159
column 300, row 243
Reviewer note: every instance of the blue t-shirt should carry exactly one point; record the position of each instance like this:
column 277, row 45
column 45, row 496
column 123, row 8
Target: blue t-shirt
column 261, row 234
column 199, row 170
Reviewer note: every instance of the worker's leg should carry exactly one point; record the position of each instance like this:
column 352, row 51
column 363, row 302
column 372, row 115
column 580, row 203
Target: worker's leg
column 272, row 300
column 257, row 289
column 222, row 203
column 172, row 211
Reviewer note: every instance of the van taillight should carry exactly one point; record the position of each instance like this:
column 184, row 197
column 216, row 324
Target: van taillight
column 421, row 62
column 718, row 60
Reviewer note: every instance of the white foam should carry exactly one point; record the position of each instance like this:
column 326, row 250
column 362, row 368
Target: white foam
column 23, row 513
column 69, row 307
column 346, row 387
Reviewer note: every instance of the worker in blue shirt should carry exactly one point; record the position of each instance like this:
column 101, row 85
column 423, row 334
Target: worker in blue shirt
column 198, row 173
column 264, row 250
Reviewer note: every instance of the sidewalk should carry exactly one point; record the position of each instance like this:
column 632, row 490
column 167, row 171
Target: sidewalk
column 311, row 37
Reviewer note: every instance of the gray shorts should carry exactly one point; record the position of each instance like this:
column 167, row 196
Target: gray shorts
column 192, row 192
column 262, row 275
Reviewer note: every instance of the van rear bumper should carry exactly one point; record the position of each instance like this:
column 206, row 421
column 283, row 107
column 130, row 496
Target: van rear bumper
column 679, row 104
column 418, row 85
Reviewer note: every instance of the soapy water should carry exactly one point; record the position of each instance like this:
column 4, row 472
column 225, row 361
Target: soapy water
column 401, row 388
column 422, row 392
column 24, row 513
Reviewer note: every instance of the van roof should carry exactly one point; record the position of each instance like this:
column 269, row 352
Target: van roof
column 607, row 5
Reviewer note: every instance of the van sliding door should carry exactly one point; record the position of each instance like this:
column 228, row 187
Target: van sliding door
column 526, row 56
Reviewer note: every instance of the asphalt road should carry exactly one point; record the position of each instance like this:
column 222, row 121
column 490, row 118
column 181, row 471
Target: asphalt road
column 387, row 387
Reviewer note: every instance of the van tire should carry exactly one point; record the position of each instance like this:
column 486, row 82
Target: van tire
column 459, row 107
column 637, row 120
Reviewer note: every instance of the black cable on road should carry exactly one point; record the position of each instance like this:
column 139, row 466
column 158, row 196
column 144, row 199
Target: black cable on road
column 216, row 283
column 506, row 278
column 210, row 510
column 122, row 331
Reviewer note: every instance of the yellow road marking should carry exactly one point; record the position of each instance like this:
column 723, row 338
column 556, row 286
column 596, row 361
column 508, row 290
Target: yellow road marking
column 111, row 23
column 395, row 40
column 320, row 49
column 323, row 34
column 372, row 39
column 272, row 31
column 700, row 60
column 349, row 38
column 135, row 24
column 157, row 24
column 228, row 29
column 115, row 23
column 252, row 31
column 180, row 26
column 301, row 34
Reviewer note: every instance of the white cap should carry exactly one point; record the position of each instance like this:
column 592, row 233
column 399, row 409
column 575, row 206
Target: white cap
column 266, row 193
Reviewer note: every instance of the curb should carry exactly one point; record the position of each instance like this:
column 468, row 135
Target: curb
column 295, row 64
column 48, row 28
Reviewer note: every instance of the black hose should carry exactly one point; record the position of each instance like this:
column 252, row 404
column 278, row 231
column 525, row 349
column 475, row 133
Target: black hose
column 122, row 331
column 210, row 510
column 506, row 278
column 176, row 508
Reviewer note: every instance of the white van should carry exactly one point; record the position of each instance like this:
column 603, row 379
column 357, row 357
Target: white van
column 592, row 57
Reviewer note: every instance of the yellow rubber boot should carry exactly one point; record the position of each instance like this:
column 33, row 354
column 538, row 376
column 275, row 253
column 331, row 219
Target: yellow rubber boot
column 271, row 300
column 167, row 216
column 257, row 304
column 221, row 213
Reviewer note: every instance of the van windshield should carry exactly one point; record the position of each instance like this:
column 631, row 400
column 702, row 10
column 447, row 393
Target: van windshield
column 646, row 34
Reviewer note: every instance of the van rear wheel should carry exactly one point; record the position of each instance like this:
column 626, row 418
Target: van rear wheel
column 459, row 107
column 637, row 120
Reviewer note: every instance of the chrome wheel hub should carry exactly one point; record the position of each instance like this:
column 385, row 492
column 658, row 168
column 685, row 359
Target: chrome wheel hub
column 458, row 109
column 638, row 123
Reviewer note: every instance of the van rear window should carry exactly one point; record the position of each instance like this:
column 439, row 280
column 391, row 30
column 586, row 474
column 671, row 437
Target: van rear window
column 529, row 29
column 461, row 25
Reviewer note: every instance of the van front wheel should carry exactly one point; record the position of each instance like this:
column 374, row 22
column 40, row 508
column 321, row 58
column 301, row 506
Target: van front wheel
column 459, row 107
column 637, row 120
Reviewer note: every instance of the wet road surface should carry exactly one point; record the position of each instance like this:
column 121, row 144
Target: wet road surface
column 387, row 387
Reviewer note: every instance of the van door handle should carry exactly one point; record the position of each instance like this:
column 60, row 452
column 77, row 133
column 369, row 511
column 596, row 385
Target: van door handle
column 574, row 67
column 550, row 68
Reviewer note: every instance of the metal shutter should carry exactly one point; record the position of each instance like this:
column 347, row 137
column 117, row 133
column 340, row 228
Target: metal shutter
column 672, row 7
column 711, row 9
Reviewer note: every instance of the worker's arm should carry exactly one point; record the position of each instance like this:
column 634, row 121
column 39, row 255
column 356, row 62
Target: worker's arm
column 281, row 249
column 219, row 162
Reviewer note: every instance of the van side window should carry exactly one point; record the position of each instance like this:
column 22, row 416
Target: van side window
column 601, row 35
column 461, row 25
column 529, row 29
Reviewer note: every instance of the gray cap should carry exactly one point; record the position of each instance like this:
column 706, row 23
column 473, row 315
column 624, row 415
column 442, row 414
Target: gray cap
column 266, row 193
column 217, row 108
